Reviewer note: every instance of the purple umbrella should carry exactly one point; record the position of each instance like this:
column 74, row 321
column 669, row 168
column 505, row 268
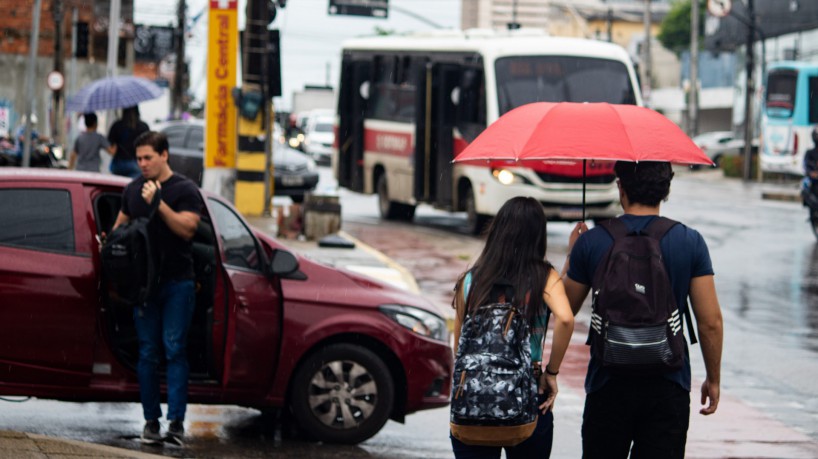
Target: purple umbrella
column 111, row 93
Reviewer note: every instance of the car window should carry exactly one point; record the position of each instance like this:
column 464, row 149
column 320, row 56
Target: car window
column 196, row 139
column 240, row 248
column 176, row 136
column 37, row 219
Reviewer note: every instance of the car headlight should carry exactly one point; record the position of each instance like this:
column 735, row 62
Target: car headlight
column 294, row 142
column 422, row 322
column 506, row 177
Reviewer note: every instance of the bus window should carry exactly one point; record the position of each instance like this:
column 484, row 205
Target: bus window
column 393, row 96
column 526, row 79
column 471, row 104
column 813, row 100
column 780, row 100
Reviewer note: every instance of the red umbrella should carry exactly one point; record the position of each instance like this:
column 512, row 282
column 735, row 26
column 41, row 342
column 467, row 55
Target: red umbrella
column 568, row 130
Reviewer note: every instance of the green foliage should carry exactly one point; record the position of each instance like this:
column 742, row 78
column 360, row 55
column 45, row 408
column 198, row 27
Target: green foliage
column 674, row 33
column 733, row 165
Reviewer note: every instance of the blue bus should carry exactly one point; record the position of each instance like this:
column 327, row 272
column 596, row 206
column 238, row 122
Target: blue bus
column 789, row 114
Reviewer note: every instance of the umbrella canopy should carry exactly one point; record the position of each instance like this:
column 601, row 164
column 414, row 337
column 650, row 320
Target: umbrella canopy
column 111, row 93
column 568, row 130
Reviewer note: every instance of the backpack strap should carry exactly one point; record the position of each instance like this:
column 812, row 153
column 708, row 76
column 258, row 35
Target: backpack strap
column 659, row 227
column 657, row 230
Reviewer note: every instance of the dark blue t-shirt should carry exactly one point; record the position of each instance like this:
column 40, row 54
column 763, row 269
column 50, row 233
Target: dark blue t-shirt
column 686, row 256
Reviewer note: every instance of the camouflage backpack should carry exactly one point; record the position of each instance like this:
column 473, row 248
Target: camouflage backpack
column 494, row 392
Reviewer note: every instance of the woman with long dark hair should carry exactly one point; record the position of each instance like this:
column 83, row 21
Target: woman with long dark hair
column 514, row 256
column 122, row 135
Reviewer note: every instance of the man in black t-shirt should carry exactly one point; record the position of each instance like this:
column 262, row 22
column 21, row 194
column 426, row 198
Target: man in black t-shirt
column 811, row 162
column 164, row 319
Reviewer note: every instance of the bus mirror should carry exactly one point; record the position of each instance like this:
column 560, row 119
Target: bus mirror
column 364, row 90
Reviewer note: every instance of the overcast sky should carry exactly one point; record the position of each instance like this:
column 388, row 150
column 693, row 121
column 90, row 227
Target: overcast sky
column 310, row 38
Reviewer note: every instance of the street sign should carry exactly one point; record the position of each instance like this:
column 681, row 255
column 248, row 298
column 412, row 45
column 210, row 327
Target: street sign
column 369, row 8
column 719, row 8
column 55, row 81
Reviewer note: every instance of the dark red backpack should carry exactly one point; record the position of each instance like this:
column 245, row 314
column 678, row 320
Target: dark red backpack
column 636, row 325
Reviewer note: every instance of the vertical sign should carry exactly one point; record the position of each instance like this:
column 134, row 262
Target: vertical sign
column 220, row 116
column 5, row 124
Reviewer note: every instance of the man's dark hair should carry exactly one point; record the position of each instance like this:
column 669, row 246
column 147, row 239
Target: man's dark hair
column 645, row 182
column 156, row 140
column 90, row 119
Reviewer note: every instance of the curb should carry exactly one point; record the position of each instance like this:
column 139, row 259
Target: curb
column 781, row 196
column 87, row 449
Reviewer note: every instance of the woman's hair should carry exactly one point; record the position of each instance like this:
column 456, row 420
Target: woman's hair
column 514, row 254
column 130, row 116
column 645, row 182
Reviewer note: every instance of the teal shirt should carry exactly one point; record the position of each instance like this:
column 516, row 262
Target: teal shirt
column 538, row 328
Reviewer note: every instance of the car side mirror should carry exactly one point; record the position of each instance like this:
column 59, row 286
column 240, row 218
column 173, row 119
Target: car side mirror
column 285, row 264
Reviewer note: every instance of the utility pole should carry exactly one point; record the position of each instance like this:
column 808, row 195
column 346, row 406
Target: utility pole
column 693, row 100
column 646, row 61
column 750, row 92
column 72, row 71
column 31, row 75
column 179, row 74
column 113, row 37
column 609, row 20
column 58, row 13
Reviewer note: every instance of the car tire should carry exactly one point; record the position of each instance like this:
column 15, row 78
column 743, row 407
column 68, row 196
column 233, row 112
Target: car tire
column 475, row 222
column 391, row 210
column 342, row 393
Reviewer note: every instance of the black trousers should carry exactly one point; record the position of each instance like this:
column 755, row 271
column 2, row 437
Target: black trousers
column 647, row 417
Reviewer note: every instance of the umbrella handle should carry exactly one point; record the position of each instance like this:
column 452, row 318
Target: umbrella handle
column 584, row 161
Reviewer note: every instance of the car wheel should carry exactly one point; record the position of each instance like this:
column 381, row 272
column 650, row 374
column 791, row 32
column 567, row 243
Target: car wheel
column 475, row 222
column 391, row 210
column 342, row 394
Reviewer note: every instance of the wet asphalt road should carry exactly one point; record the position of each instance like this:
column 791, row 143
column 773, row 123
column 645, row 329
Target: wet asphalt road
column 766, row 263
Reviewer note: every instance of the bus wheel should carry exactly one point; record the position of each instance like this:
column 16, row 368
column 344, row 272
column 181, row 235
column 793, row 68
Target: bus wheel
column 475, row 222
column 391, row 210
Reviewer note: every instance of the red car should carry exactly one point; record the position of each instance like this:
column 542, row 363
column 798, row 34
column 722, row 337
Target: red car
column 271, row 329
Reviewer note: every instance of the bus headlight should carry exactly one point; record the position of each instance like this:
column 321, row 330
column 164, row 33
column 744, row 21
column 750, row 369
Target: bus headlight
column 419, row 321
column 506, row 177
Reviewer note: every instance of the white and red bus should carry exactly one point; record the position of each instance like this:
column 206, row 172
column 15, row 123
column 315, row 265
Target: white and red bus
column 409, row 104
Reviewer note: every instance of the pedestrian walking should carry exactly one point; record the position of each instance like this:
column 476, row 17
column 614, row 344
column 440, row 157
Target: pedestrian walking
column 122, row 135
column 85, row 154
column 811, row 163
column 511, row 270
column 163, row 321
column 643, row 410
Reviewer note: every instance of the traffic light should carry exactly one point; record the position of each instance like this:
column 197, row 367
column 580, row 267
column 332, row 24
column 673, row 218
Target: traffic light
column 82, row 40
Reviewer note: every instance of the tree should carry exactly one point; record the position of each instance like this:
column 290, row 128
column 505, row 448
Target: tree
column 674, row 33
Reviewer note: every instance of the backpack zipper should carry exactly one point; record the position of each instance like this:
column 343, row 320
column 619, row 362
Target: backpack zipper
column 460, row 386
column 508, row 322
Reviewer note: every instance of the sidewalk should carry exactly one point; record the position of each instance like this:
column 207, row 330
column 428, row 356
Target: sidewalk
column 18, row 445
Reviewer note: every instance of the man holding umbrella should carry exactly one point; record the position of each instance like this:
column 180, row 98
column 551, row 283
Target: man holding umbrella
column 646, row 414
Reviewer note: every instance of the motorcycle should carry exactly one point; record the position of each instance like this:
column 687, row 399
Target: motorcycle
column 810, row 199
column 43, row 154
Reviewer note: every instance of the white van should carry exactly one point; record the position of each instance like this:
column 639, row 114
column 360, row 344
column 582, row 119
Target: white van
column 319, row 137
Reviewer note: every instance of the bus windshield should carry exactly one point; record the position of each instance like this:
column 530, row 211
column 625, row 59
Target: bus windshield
column 780, row 100
column 525, row 79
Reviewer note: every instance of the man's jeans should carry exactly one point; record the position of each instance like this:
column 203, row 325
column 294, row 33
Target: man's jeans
column 647, row 417
column 165, row 320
